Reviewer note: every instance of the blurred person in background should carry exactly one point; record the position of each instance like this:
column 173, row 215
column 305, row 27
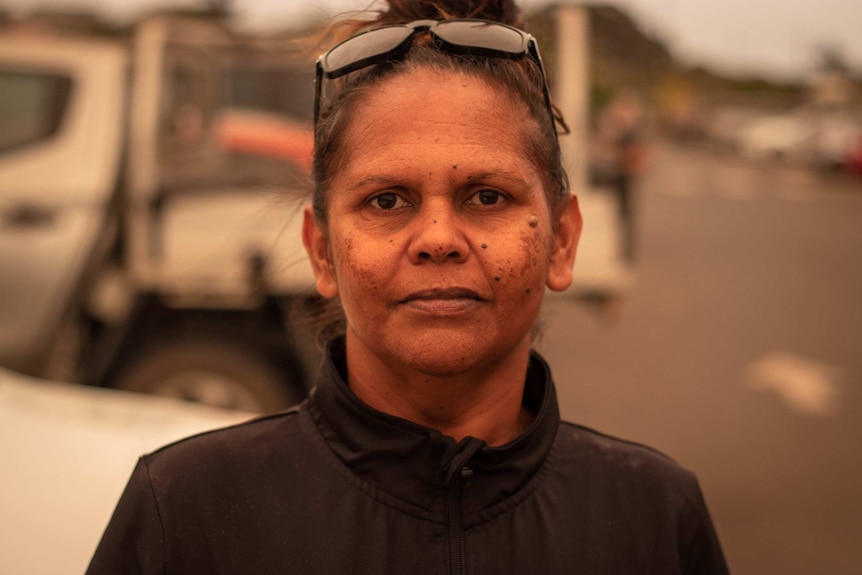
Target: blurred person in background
column 432, row 442
column 619, row 158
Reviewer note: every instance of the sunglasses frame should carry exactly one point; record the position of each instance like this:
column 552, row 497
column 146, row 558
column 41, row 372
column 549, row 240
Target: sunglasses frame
column 528, row 48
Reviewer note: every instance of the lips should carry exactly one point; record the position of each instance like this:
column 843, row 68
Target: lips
column 443, row 293
column 443, row 300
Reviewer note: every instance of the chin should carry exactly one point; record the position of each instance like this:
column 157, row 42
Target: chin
column 447, row 355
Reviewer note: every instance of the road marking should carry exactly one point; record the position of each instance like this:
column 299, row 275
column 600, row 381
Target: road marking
column 806, row 386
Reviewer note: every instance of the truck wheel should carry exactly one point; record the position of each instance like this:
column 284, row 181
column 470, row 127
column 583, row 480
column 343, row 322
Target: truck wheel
column 213, row 373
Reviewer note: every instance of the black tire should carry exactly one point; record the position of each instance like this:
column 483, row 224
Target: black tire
column 216, row 373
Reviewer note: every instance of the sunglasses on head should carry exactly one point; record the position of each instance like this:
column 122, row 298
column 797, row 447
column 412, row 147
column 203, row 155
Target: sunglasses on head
column 468, row 37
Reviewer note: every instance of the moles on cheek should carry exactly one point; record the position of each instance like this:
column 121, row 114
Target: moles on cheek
column 352, row 268
column 525, row 261
column 536, row 253
column 536, row 246
column 532, row 252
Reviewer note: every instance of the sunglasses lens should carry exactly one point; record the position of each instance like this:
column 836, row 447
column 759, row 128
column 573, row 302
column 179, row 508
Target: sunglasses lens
column 476, row 37
column 481, row 35
column 354, row 52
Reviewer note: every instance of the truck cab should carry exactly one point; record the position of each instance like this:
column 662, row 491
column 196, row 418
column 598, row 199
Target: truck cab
column 144, row 245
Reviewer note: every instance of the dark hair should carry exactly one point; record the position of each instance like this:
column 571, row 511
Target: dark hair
column 519, row 77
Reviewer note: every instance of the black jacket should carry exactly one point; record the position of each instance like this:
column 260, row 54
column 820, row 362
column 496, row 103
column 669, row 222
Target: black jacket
column 333, row 486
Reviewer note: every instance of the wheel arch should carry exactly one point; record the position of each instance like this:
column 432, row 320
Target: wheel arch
column 262, row 332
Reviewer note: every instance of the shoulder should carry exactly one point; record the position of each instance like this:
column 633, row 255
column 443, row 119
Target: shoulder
column 584, row 442
column 623, row 489
column 229, row 448
column 620, row 464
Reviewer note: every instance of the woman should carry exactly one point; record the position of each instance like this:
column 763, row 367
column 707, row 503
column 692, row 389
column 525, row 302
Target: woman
column 432, row 441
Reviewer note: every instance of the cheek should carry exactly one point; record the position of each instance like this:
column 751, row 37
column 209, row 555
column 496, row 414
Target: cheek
column 535, row 246
column 525, row 270
column 360, row 271
column 536, row 240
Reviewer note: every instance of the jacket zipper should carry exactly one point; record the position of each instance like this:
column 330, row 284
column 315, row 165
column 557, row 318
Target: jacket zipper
column 456, row 523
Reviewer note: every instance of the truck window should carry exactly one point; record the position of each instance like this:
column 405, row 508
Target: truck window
column 189, row 104
column 32, row 107
column 276, row 89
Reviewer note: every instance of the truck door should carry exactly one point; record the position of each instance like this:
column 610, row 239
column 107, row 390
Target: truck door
column 177, row 64
column 199, row 232
column 60, row 151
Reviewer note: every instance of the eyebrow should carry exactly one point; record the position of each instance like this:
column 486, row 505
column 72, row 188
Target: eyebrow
column 386, row 180
column 479, row 176
column 501, row 174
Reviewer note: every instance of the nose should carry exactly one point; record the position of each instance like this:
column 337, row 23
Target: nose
column 439, row 235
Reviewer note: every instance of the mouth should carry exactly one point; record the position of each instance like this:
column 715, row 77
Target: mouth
column 443, row 301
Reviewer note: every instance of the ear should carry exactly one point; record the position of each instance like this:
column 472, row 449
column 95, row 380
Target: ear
column 317, row 247
column 566, row 238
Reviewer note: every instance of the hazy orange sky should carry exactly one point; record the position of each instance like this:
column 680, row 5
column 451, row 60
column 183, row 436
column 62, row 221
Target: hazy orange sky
column 774, row 37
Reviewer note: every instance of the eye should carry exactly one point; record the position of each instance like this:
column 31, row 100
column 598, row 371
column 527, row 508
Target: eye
column 387, row 201
column 486, row 198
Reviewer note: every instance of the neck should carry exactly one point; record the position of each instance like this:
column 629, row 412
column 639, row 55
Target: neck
column 483, row 402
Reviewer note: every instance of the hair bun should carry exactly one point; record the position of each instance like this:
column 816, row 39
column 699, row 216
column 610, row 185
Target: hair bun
column 504, row 11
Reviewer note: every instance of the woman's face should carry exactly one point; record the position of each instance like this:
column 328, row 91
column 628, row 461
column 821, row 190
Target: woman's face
column 438, row 237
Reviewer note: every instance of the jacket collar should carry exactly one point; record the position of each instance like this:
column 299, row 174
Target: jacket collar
column 417, row 464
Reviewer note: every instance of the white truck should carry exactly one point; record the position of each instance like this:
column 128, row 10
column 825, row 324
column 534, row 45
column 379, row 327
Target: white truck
column 149, row 227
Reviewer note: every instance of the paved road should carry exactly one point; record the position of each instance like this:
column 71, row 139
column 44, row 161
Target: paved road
column 738, row 353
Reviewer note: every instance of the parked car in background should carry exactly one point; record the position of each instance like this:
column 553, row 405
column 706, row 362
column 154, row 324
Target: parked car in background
column 779, row 136
column 834, row 136
column 724, row 124
column 816, row 136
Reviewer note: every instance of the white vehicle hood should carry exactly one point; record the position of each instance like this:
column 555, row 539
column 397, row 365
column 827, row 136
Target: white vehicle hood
column 66, row 453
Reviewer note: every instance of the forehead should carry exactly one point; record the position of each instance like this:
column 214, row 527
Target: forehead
column 453, row 116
